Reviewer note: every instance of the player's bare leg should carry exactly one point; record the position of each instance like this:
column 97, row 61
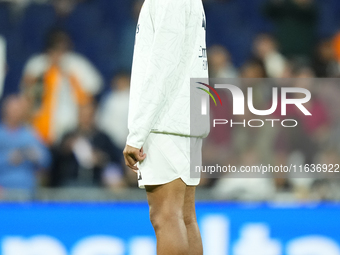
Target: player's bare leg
column 166, row 204
column 190, row 221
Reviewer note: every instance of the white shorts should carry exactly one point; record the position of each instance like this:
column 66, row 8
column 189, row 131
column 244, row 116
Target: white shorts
column 168, row 158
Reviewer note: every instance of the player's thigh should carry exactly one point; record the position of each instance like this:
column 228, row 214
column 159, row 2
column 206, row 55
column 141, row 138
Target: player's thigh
column 189, row 213
column 166, row 200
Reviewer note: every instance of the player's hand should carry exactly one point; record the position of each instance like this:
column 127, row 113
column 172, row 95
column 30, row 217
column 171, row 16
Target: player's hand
column 132, row 156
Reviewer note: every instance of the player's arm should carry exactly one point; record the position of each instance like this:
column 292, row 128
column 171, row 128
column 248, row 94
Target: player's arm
column 167, row 47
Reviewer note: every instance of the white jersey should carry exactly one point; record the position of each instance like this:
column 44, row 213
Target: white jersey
column 169, row 49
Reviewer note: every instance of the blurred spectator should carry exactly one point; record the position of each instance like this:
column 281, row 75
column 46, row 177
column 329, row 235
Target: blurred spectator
column 316, row 126
column 312, row 132
column 86, row 156
column 295, row 25
column 336, row 47
column 282, row 182
column 215, row 149
column 64, row 7
column 324, row 61
column 220, row 64
column 327, row 186
column 253, row 69
column 113, row 112
column 234, row 187
column 57, row 82
column 265, row 49
column 21, row 152
column 244, row 137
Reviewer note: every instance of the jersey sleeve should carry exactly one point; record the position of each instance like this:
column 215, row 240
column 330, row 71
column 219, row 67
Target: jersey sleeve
column 169, row 21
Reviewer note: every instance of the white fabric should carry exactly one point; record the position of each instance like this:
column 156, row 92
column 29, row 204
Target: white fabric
column 275, row 65
column 168, row 158
column 169, row 49
column 71, row 63
column 83, row 152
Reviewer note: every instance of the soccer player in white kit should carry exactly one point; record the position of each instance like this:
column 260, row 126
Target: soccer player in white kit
column 169, row 50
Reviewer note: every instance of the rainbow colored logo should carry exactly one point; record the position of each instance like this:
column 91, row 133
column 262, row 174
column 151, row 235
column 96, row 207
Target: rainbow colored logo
column 211, row 95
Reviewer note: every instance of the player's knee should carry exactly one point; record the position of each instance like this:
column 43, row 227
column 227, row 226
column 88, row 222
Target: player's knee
column 162, row 217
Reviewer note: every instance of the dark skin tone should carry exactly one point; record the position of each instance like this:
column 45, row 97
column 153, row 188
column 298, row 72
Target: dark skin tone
column 172, row 214
column 132, row 156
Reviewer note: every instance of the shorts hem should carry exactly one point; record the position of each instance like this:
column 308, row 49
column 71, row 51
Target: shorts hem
column 142, row 185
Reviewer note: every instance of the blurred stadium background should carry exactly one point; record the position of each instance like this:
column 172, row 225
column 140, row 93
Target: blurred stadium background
column 64, row 83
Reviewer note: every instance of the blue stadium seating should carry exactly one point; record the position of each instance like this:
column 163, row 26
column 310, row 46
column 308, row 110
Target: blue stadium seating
column 36, row 22
column 5, row 23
